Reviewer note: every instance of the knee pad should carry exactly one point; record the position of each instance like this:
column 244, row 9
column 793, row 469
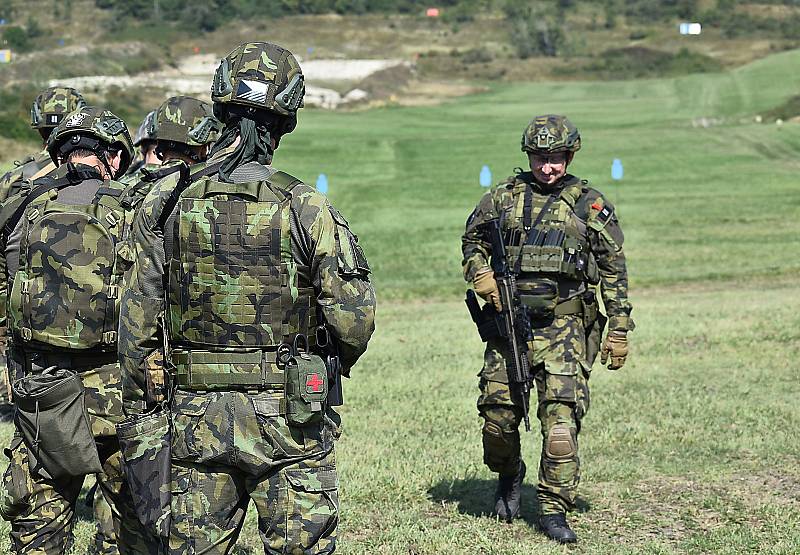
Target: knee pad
column 500, row 448
column 560, row 443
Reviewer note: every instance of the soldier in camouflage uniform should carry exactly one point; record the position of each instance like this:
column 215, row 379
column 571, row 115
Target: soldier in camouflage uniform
column 181, row 129
column 251, row 262
column 60, row 272
column 145, row 142
column 48, row 109
column 562, row 239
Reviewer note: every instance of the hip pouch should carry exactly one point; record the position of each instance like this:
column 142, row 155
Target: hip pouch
column 306, row 388
column 145, row 443
column 540, row 298
column 51, row 416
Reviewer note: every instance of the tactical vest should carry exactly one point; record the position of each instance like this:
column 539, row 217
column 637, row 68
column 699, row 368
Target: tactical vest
column 547, row 236
column 233, row 283
column 66, row 291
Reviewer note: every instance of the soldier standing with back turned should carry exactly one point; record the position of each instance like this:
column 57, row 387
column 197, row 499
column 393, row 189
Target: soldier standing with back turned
column 561, row 238
column 48, row 110
column 60, row 267
column 243, row 275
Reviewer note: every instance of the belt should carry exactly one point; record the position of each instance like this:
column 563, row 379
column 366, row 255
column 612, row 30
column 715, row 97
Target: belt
column 569, row 307
column 68, row 360
column 203, row 370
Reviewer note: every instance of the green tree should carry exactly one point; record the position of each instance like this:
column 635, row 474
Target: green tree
column 17, row 38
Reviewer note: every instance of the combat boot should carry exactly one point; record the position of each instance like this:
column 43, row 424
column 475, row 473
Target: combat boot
column 556, row 528
column 508, row 496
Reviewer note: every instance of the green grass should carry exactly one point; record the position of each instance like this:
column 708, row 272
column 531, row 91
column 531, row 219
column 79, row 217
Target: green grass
column 692, row 447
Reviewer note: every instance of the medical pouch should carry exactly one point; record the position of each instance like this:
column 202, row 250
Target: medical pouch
column 306, row 388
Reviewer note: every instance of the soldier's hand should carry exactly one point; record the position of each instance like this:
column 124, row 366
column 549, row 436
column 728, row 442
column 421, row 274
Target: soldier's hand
column 616, row 347
column 486, row 287
column 3, row 341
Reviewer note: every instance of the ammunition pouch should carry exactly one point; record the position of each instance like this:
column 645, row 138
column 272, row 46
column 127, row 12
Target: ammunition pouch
column 145, row 443
column 594, row 322
column 51, row 417
column 305, row 388
column 540, row 298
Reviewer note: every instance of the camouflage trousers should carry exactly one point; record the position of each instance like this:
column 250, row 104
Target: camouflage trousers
column 105, row 538
column 42, row 510
column 232, row 447
column 556, row 357
column 5, row 385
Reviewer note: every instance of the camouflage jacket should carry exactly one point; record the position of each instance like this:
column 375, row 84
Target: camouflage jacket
column 346, row 302
column 603, row 236
column 27, row 169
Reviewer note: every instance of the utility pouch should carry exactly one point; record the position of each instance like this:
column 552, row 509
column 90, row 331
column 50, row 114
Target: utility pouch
column 540, row 298
column 305, row 388
column 594, row 322
column 145, row 443
column 51, row 416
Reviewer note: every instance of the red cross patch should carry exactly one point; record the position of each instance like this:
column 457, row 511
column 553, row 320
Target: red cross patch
column 314, row 383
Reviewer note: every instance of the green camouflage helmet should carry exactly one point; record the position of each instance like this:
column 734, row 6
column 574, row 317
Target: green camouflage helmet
column 259, row 75
column 52, row 104
column 550, row 134
column 186, row 120
column 94, row 129
column 146, row 130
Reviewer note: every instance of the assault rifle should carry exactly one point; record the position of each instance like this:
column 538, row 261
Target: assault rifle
column 513, row 321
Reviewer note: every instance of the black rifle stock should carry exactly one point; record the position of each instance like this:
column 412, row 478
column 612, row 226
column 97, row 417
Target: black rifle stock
column 513, row 329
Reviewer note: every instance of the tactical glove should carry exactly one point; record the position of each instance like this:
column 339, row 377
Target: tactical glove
column 3, row 341
column 486, row 287
column 615, row 346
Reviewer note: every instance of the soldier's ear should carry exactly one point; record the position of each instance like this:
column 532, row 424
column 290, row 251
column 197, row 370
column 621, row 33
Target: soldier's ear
column 570, row 154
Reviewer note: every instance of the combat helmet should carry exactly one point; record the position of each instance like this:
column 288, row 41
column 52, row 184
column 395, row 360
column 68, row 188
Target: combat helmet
column 93, row 129
column 550, row 134
column 259, row 80
column 52, row 104
column 183, row 121
column 147, row 130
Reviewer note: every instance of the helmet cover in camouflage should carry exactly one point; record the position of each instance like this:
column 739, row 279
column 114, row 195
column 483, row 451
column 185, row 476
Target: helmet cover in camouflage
column 186, row 120
column 550, row 134
column 52, row 104
column 259, row 75
column 91, row 122
column 146, row 130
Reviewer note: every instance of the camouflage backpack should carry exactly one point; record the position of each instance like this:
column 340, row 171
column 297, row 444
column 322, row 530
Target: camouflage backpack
column 72, row 257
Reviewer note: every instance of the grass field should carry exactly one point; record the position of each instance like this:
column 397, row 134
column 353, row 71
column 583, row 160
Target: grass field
column 693, row 446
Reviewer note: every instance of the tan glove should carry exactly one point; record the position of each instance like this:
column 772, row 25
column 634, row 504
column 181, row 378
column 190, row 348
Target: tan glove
column 3, row 341
column 486, row 287
column 616, row 346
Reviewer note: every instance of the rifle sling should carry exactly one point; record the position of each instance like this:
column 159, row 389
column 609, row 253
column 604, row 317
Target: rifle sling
column 184, row 181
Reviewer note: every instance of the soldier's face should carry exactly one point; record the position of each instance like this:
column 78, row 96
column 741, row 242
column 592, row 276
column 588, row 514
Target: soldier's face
column 547, row 169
